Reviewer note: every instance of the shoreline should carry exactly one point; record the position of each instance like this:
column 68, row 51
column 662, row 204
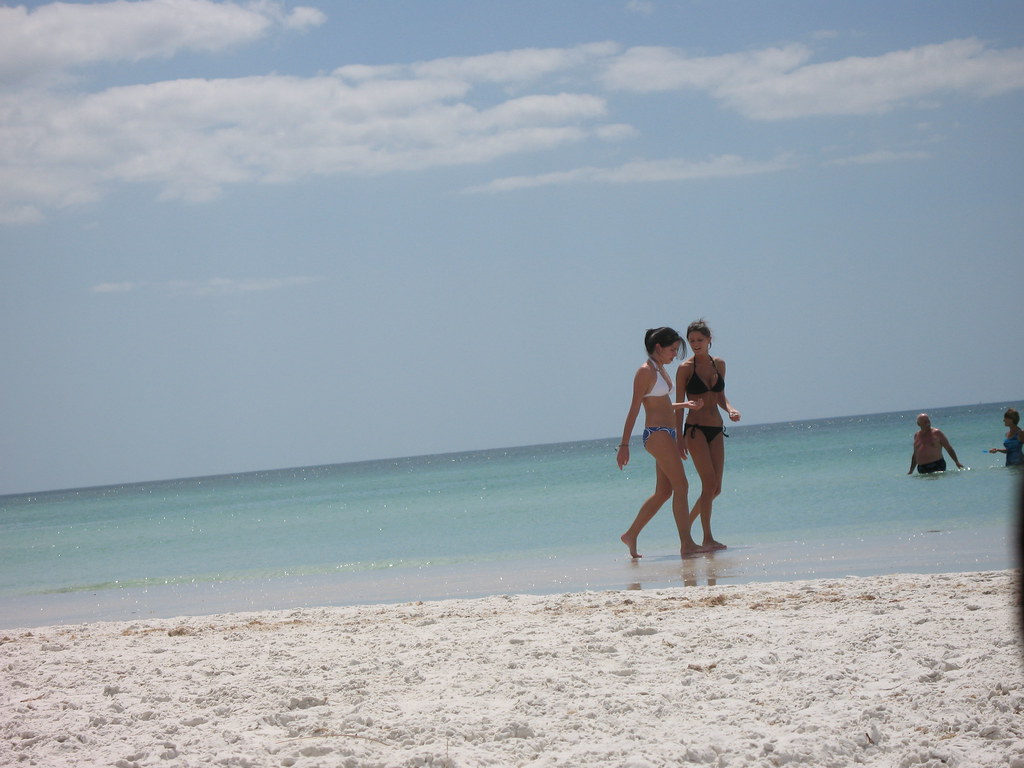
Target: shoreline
column 902, row 669
column 989, row 548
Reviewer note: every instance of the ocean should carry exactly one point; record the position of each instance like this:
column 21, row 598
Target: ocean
column 800, row 500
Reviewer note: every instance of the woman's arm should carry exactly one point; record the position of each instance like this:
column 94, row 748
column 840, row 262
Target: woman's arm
column 723, row 401
column 643, row 382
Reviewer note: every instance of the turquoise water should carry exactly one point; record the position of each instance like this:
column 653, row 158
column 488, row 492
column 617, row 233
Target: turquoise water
column 828, row 497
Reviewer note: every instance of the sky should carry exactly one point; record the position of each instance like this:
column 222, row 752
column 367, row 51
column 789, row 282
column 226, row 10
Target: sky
column 240, row 236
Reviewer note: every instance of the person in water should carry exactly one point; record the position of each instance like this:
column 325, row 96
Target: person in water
column 1012, row 443
column 653, row 389
column 703, row 435
column 928, row 445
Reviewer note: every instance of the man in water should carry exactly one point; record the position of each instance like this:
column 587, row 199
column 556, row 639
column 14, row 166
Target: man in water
column 928, row 445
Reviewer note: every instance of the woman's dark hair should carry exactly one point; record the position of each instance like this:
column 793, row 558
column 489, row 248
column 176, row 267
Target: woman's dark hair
column 666, row 337
column 700, row 327
column 1012, row 415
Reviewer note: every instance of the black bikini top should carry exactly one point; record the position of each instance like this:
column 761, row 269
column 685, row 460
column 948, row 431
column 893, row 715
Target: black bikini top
column 696, row 385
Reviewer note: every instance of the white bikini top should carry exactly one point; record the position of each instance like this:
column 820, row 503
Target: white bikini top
column 662, row 383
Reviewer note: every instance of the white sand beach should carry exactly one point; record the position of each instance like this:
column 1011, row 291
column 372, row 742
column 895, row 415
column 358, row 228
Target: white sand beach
column 905, row 671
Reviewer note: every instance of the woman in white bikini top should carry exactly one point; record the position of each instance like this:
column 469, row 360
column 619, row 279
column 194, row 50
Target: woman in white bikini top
column 653, row 389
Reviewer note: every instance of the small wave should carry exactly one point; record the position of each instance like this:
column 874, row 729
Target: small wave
column 269, row 574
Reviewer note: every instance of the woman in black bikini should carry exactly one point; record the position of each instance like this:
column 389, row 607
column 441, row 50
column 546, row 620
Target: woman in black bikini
column 703, row 435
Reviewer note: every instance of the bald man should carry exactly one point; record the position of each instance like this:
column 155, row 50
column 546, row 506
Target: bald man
column 928, row 445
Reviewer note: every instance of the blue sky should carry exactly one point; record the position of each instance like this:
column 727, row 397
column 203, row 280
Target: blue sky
column 241, row 236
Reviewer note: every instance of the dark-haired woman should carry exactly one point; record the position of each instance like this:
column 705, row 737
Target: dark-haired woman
column 1012, row 443
column 703, row 435
column 653, row 389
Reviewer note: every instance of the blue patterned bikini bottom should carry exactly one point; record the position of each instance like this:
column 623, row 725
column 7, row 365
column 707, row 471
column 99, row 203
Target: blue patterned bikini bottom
column 648, row 431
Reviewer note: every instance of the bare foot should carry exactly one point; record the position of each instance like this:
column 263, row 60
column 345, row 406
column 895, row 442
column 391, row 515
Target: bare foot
column 691, row 548
column 710, row 545
column 630, row 542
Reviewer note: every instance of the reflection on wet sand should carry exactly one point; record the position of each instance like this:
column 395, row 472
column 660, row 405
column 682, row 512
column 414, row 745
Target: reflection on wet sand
column 926, row 551
column 697, row 570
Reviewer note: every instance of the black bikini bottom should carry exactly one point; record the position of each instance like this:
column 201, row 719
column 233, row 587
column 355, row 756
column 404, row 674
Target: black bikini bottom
column 710, row 433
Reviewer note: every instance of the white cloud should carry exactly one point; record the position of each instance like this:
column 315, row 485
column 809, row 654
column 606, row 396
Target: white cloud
column 39, row 45
column 222, row 286
column 880, row 156
column 541, row 109
column 514, row 66
column 125, row 287
column 509, row 68
column 616, row 132
column 217, row 286
column 640, row 6
column 304, row 18
column 643, row 171
column 191, row 138
column 647, row 69
column 779, row 83
column 20, row 214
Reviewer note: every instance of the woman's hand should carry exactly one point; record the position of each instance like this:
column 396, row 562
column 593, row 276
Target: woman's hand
column 622, row 456
column 691, row 404
column 734, row 415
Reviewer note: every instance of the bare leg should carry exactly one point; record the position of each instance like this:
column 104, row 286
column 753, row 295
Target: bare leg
column 665, row 452
column 662, row 493
column 709, row 459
